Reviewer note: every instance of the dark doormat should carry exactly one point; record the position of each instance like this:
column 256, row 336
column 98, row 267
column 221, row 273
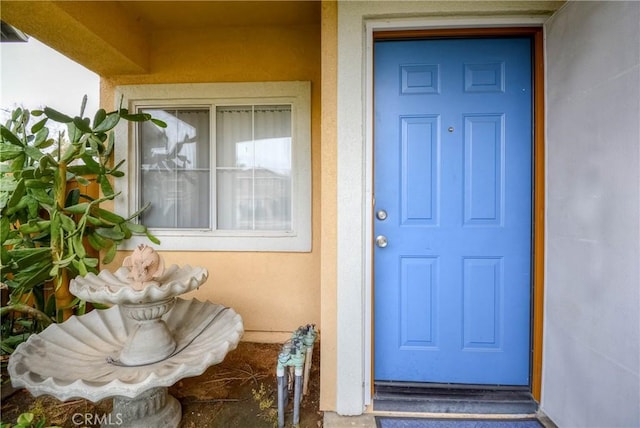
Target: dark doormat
column 390, row 422
column 425, row 398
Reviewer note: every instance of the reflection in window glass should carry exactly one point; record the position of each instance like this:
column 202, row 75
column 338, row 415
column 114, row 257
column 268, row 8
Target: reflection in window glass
column 175, row 173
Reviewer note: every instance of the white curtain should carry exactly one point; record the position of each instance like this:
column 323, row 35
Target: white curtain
column 253, row 149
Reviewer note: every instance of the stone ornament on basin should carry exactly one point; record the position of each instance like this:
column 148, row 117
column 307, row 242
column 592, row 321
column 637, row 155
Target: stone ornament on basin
column 127, row 286
column 147, row 341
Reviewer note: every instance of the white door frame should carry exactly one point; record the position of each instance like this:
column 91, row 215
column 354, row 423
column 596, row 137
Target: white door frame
column 355, row 184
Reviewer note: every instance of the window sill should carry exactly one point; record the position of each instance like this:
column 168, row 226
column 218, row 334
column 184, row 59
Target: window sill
column 208, row 241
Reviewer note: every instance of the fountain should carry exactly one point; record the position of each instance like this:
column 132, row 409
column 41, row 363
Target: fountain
column 132, row 352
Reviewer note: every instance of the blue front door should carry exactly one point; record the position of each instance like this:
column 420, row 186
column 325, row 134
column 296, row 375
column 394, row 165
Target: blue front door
column 452, row 226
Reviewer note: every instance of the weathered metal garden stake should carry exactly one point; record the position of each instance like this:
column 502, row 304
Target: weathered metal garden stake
column 282, row 373
column 294, row 362
column 298, row 363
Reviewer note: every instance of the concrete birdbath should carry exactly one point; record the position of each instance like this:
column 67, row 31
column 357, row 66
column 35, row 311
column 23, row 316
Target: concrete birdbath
column 148, row 340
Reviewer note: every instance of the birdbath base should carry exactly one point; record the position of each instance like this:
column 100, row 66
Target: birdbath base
column 153, row 408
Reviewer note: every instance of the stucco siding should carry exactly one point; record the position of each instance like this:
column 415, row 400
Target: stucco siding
column 591, row 363
column 275, row 292
column 328, row 205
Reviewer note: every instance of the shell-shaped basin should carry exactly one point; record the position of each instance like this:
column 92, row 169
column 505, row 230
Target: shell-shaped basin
column 78, row 358
column 116, row 288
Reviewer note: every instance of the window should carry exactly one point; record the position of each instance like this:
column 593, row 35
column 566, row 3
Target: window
column 231, row 171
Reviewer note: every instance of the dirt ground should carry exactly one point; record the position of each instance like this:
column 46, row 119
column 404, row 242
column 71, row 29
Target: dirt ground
column 240, row 392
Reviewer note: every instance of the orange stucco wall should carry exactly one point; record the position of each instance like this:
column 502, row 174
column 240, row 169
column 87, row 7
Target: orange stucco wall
column 329, row 208
column 274, row 292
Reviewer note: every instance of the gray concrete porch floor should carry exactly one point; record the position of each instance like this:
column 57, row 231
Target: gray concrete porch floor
column 333, row 420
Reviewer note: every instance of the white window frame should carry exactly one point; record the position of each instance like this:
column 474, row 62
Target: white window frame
column 211, row 95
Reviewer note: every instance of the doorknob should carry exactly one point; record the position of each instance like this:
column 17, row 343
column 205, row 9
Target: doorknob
column 381, row 241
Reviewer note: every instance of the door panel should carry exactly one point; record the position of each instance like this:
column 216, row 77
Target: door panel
column 419, row 170
column 452, row 171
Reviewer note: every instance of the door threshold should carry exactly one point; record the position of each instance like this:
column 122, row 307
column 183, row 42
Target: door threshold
column 450, row 398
